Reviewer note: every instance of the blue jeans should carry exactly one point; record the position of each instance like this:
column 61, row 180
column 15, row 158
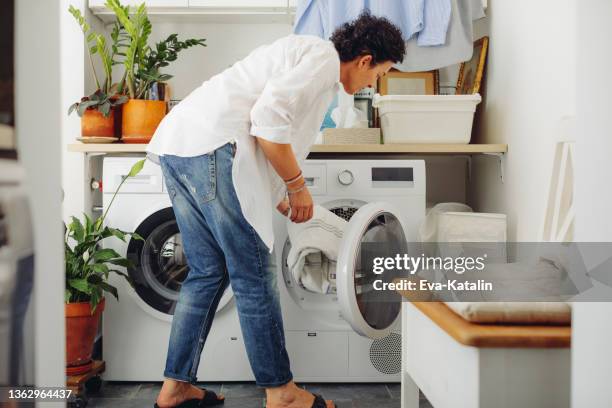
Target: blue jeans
column 221, row 248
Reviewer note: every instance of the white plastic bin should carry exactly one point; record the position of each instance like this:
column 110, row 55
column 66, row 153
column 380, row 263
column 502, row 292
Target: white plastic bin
column 428, row 231
column 473, row 234
column 426, row 118
column 471, row 227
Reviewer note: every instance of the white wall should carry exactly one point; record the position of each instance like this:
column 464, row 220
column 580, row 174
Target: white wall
column 592, row 322
column 537, row 75
column 226, row 44
column 530, row 86
column 39, row 145
column 73, row 84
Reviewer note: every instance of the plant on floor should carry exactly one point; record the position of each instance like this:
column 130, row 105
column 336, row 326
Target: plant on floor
column 105, row 97
column 141, row 62
column 87, row 265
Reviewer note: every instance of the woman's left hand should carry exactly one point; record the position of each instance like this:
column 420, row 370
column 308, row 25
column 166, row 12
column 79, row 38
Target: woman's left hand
column 283, row 207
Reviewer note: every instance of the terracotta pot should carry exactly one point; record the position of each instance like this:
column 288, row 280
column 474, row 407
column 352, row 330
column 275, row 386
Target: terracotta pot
column 140, row 119
column 81, row 329
column 94, row 123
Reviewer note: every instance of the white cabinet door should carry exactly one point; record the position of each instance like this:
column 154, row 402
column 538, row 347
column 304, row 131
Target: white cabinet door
column 238, row 3
column 149, row 3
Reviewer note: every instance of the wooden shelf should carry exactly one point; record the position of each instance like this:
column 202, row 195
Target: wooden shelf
column 494, row 335
column 357, row 148
column 106, row 147
column 412, row 148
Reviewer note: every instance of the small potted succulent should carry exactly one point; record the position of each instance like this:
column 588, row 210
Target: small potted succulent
column 142, row 78
column 99, row 111
column 87, row 270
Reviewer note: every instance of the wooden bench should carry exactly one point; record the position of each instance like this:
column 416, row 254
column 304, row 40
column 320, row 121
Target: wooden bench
column 457, row 364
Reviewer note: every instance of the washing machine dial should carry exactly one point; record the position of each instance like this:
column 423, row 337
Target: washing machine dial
column 346, row 177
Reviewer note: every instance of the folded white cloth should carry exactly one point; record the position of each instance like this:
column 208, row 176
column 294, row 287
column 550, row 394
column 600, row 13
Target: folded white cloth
column 514, row 312
column 541, row 280
column 314, row 249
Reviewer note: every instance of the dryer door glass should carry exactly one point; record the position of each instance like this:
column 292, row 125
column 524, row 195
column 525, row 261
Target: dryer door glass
column 374, row 231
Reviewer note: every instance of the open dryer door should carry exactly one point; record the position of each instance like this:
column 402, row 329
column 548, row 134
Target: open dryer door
column 371, row 313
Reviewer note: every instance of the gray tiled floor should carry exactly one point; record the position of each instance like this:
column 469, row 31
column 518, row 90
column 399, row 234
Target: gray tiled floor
column 247, row 395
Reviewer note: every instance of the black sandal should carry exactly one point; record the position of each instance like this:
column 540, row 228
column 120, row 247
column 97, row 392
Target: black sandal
column 210, row 400
column 319, row 402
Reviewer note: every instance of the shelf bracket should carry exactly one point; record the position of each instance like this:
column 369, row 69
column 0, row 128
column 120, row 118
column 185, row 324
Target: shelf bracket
column 501, row 158
column 468, row 161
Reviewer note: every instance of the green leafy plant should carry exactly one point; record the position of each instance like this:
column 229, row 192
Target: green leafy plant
column 98, row 100
column 141, row 62
column 165, row 51
column 104, row 97
column 87, row 265
column 138, row 28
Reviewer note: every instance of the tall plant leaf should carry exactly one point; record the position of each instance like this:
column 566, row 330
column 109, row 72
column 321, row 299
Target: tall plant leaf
column 87, row 266
column 81, row 285
column 105, row 255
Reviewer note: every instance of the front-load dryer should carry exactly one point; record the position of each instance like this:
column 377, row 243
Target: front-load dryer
column 137, row 327
column 343, row 335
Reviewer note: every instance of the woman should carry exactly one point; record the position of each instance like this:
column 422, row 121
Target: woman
column 229, row 151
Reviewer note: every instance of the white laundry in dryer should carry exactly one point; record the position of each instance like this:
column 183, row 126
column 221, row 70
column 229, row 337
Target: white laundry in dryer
column 346, row 335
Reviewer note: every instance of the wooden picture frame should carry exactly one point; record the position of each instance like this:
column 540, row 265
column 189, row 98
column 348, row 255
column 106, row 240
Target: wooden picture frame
column 409, row 83
column 471, row 72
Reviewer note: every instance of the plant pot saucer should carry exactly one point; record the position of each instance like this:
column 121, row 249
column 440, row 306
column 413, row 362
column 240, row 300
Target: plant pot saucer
column 136, row 139
column 97, row 139
column 80, row 369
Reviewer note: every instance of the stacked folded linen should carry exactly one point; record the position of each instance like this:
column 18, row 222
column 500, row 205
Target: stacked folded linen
column 542, row 280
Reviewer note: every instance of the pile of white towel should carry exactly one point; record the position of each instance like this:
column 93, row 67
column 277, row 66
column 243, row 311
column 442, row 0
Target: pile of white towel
column 314, row 250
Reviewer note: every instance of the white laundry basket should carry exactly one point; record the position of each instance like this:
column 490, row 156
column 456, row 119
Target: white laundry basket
column 473, row 234
column 455, row 229
column 471, row 227
column 426, row 118
column 428, row 231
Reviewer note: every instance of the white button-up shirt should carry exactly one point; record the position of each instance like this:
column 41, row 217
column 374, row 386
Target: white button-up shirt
column 280, row 92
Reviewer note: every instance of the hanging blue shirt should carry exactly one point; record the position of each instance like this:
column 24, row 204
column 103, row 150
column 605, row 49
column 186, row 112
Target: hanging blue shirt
column 436, row 19
column 428, row 19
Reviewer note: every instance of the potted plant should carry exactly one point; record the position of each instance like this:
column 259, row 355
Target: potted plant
column 87, row 270
column 98, row 110
column 143, row 112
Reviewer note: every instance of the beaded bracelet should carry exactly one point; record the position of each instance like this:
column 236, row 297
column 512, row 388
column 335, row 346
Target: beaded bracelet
column 297, row 190
column 294, row 179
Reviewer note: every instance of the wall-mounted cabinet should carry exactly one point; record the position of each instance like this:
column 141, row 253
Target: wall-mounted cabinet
column 201, row 3
column 98, row 5
column 246, row 4
column 207, row 10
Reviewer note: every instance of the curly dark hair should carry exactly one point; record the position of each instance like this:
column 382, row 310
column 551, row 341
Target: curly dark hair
column 369, row 35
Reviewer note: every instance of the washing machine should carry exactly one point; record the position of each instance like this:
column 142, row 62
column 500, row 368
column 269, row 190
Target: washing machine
column 346, row 335
column 136, row 328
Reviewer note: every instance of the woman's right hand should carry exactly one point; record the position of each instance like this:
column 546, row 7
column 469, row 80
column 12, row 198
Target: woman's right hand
column 301, row 206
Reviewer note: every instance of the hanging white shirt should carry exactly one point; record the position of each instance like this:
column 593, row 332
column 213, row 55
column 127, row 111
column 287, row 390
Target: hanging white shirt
column 280, row 92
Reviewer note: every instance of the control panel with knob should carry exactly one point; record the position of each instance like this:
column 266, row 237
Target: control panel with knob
column 345, row 177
